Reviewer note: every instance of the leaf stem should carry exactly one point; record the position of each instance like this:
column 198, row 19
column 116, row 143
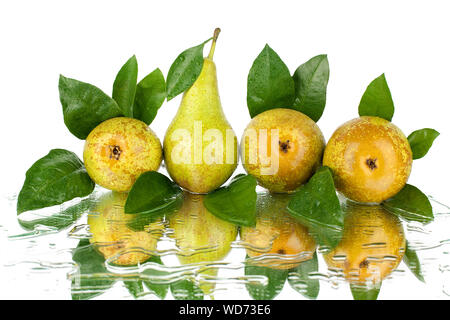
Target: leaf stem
column 213, row 45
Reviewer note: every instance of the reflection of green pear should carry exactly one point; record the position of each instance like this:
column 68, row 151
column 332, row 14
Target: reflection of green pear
column 278, row 240
column 112, row 236
column 200, row 147
column 200, row 236
column 372, row 245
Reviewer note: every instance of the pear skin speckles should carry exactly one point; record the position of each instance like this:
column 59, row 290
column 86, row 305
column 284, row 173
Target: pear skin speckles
column 370, row 158
column 118, row 150
column 300, row 145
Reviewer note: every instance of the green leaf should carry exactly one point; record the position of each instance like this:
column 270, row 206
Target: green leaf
column 92, row 279
column 150, row 95
column 56, row 178
column 410, row 204
column 185, row 70
column 363, row 293
column 153, row 193
column 421, row 141
column 311, row 80
column 300, row 281
column 186, row 290
column 317, row 206
column 85, row 106
column 59, row 220
column 275, row 281
column 269, row 83
column 235, row 203
column 124, row 88
column 412, row 261
column 377, row 100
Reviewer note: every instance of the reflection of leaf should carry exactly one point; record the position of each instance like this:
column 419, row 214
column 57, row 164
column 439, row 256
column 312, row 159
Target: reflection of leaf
column 412, row 261
column 410, row 204
column 61, row 219
column 363, row 293
column 317, row 206
column 87, row 285
column 142, row 220
column 276, row 279
column 160, row 290
column 134, row 287
column 186, row 290
column 299, row 278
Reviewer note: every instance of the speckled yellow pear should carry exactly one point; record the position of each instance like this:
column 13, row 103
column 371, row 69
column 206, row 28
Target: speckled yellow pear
column 118, row 150
column 282, row 148
column 200, row 147
column 114, row 239
column 371, row 159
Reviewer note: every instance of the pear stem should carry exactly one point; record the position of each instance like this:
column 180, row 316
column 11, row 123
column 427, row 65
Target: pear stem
column 213, row 45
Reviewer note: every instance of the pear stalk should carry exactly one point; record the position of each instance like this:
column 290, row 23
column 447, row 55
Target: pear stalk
column 213, row 45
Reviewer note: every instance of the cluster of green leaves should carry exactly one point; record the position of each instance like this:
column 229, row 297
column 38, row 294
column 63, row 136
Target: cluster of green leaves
column 85, row 106
column 270, row 85
column 61, row 176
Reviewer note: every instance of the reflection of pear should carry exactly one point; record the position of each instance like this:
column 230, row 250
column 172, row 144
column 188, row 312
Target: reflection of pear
column 278, row 240
column 112, row 236
column 200, row 147
column 200, row 236
column 372, row 245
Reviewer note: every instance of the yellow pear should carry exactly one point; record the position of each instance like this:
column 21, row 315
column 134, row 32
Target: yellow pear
column 282, row 148
column 278, row 240
column 118, row 150
column 200, row 236
column 200, row 147
column 112, row 236
column 370, row 157
column 372, row 245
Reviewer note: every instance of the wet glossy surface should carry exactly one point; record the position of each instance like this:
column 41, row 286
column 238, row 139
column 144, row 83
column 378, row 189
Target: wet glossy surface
column 95, row 251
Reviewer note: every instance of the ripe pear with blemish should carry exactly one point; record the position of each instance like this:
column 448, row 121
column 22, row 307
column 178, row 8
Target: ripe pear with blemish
column 371, row 159
column 118, row 150
column 298, row 144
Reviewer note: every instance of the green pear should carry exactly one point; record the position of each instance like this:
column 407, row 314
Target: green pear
column 200, row 236
column 200, row 147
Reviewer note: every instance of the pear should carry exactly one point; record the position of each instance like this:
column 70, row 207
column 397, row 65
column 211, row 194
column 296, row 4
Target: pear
column 119, row 150
column 372, row 246
column 112, row 236
column 200, row 236
column 277, row 241
column 200, row 147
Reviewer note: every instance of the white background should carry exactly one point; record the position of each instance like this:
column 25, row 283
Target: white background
column 90, row 40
